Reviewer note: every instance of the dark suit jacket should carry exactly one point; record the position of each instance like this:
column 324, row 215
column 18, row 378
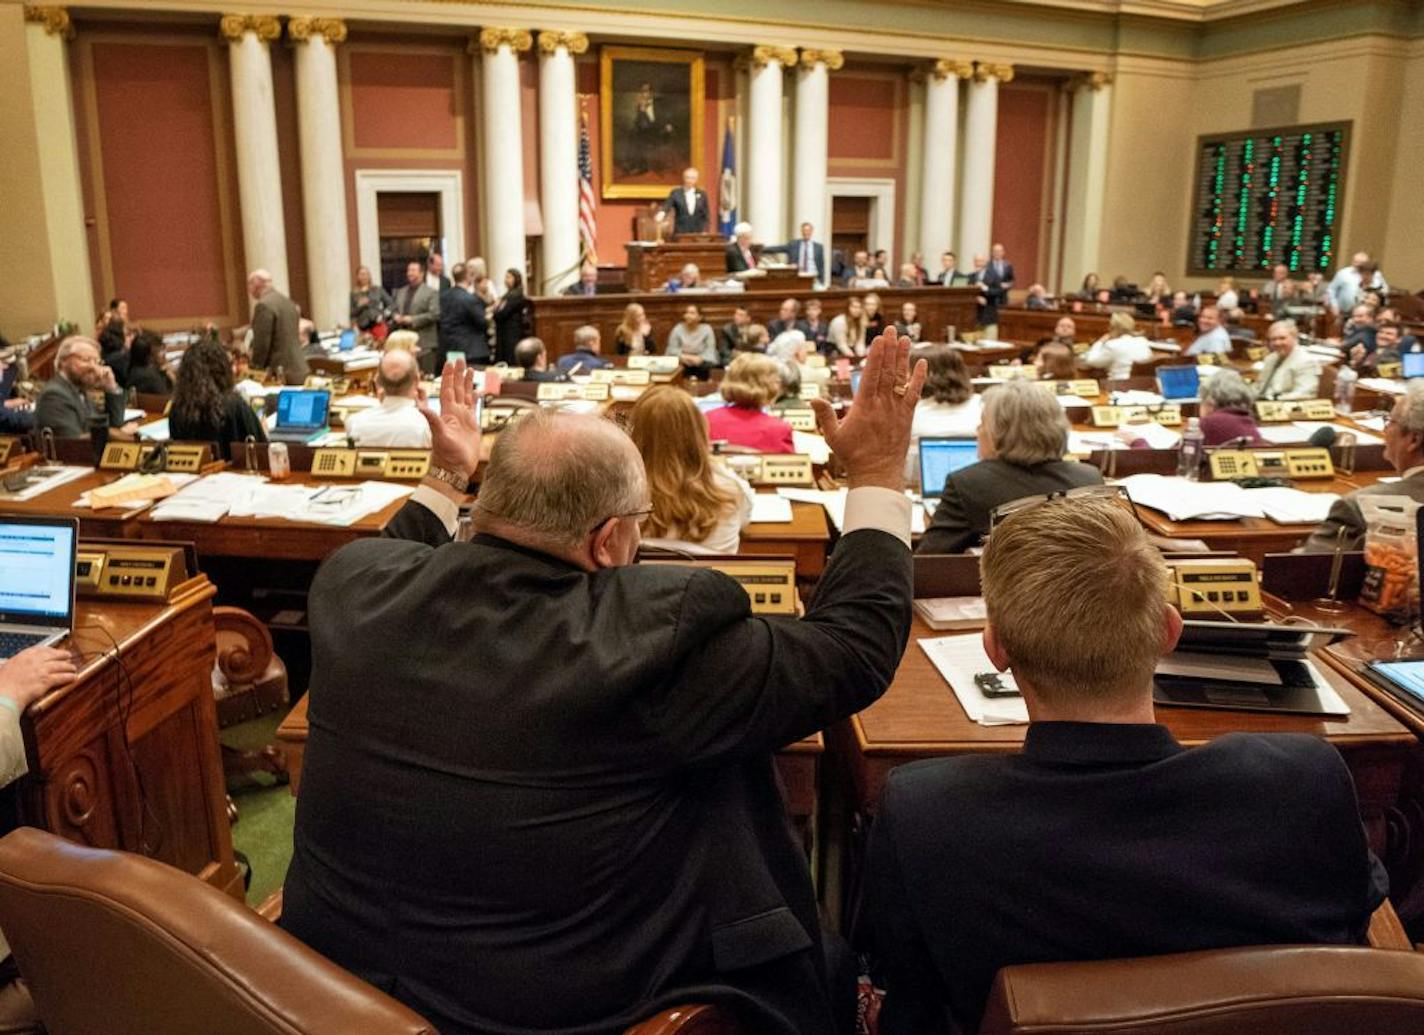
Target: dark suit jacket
column 67, row 411
column 779, row 325
column 463, row 326
column 735, row 262
column 540, row 800
column 276, row 337
column 949, row 278
column 579, row 288
column 991, row 286
column 792, row 251
column 961, row 520
column 1104, row 841
column 683, row 221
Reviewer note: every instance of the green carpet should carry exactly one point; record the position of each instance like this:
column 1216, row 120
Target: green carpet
column 265, row 814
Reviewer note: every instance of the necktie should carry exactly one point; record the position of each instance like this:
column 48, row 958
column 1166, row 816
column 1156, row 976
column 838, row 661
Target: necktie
column 405, row 302
column 805, row 256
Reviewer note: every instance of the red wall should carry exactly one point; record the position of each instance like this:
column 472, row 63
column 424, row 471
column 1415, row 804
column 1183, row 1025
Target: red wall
column 157, row 123
column 869, row 132
column 1022, row 175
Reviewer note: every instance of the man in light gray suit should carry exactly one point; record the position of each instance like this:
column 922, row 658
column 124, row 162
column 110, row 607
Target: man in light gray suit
column 1344, row 526
column 276, row 334
column 418, row 309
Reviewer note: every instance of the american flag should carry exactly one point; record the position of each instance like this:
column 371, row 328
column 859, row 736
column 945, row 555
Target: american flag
column 588, row 223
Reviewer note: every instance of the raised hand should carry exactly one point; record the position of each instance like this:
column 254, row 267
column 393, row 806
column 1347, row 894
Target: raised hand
column 455, row 431
column 874, row 437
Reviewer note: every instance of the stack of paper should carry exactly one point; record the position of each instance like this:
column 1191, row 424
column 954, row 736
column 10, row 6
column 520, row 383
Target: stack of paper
column 959, row 659
column 1287, row 506
column 1184, row 500
column 208, row 499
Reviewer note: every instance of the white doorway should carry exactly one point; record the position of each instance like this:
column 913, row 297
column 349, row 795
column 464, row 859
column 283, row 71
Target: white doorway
column 879, row 199
column 446, row 184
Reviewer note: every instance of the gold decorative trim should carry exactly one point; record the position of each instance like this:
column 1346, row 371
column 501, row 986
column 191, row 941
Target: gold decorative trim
column 490, row 40
column 302, row 29
column 985, row 70
column 573, row 42
column 54, row 19
column 764, row 54
column 946, row 67
column 834, row 60
column 234, row 26
column 1091, row 81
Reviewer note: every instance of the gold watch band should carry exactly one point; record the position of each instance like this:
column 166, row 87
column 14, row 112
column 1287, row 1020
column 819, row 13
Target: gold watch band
column 454, row 479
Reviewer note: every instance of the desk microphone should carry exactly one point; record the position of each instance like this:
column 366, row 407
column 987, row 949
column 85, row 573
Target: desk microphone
column 1322, row 436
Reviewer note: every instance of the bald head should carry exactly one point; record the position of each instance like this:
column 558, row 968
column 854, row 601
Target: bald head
column 553, row 478
column 398, row 375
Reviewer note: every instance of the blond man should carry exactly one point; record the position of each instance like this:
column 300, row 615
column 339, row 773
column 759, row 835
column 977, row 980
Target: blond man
column 1105, row 838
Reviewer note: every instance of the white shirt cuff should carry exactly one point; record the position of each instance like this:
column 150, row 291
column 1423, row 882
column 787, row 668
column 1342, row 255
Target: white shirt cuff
column 885, row 510
column 440, row 505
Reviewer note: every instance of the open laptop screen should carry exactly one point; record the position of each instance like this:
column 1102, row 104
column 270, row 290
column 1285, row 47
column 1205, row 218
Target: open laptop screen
column 1178, row 383
column 302, row 407
column 941, row 457
column 37, row 571
column 1413, row 364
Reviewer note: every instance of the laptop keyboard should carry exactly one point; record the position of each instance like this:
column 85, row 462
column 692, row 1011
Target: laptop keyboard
column 12, row 643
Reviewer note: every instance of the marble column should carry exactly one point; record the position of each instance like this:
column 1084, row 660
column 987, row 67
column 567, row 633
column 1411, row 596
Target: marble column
column 940, row 159
column 47, row 31
column 981, row 123
column 323, row 174
column 766, row 189
column 1087, row 176
column 810, row 143
column 502, row 149
column 254, row 119
column 558, row 160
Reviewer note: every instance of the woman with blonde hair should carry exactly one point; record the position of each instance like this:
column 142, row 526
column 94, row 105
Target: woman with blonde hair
column 1119, row 348
column 697, row 505
column 752, row 383
column 847, row 330
column 634, row 336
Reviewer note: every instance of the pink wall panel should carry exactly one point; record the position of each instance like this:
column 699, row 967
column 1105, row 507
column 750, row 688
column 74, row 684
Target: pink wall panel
column 1020, row 169
column 863, row 115
column 403, row 100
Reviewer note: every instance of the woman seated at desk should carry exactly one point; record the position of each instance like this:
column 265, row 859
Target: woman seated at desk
column 634, row 336
column 147, row 373
column 205, row 406
column 1119, row 348
column 693, row 342
column 753, row 382
column 1023, row 435
column 1227, row 410
column 948, row 406
column 697, row 506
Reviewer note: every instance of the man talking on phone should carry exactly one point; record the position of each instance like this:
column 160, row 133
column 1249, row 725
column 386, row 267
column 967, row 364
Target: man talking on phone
column 539, row 793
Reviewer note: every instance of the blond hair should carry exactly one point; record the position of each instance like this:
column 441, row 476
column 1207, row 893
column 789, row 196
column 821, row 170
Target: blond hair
column 754, row 380
column 1027, row 424
column 1120, row 323
column 1076, row 594
column 407, row 341
column 671, row 434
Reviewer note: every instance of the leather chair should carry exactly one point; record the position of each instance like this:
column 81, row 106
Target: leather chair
column 1278, row 990
column 117, row 943
column 693, row 1019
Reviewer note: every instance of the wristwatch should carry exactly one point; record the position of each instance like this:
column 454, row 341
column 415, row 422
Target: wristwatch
column 454, row 479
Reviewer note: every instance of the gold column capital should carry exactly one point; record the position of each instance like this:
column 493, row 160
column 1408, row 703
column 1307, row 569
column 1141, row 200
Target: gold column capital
column 765, row 54
column 491, row 39
column 573, row 42
column 986, row 70
column 54, row 19
column 234, row 26
column 944, row 68
column 1090, row 81
column 302, row 29
column 834, row 60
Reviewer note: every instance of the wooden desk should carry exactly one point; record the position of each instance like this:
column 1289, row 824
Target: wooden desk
column 807, row 538
column 127, row 755
column 1018, row 324
column 650, row 265
column 920, row 717
column 112, row 523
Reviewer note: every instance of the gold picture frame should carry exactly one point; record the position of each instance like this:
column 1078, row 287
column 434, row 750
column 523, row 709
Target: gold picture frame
column 640, row 156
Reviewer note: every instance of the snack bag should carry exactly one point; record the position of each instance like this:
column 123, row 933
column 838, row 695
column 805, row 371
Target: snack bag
column 1391, row 585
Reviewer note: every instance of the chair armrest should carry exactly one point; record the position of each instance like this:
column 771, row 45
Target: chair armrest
column 244, row 645
column 688, row 1019
column 271, row 907
column 1386, row 931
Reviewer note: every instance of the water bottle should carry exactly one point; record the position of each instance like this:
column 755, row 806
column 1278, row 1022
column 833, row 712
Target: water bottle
column 1345, row 382
column 1189, row 462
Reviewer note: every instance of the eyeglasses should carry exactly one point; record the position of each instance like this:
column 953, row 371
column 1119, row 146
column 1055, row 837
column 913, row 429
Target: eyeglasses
column 639, row 514
column 1116, row 493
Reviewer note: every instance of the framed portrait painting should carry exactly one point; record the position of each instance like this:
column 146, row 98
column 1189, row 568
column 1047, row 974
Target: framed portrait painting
column 650, row 119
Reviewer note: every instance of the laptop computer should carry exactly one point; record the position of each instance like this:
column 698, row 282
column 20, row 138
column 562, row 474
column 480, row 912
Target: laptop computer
column 1412, row 362
column 1179, row 384
column 36, row 581
column 939, row 458
column 301, row 415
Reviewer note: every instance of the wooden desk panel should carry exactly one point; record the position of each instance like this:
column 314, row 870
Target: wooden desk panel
column 920, row 717
column 1019, row 324
column 127, row 755
column 114, row 523
column 556, row 318
column 807, row 538
column 650, row 266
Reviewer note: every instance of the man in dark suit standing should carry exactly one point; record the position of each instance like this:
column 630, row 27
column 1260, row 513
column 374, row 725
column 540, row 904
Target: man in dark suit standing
column 276, row 330
column 564, row 764
column 992, row 294
column 740, row 255
column 464, row 328
column 688, row 205
column 1105, row 838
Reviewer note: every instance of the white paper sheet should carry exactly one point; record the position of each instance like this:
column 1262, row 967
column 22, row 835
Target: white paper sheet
column 1287, row 506
column 1299, row 432
column 155, row 430
column 767, row 507
column 959, row 659
column 811, row 445
column 1184, row 500
column 1135, row 397
column 1387, row 385
column 132, row 414
column 208, row 499
column 834, row 501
